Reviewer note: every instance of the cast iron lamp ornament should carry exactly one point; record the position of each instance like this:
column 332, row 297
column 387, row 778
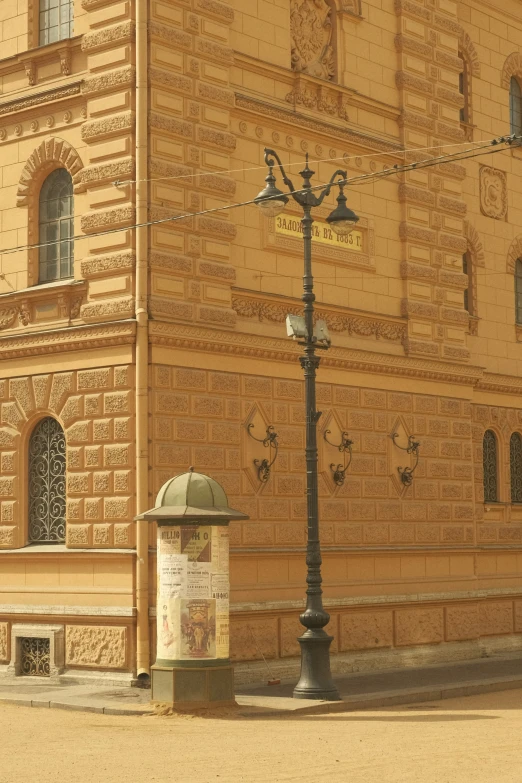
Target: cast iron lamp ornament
column 316, row 679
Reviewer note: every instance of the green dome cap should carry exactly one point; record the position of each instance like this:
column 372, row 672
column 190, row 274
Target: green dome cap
column 192, row 489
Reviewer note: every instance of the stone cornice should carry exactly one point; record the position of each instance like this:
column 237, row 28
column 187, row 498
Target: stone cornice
column 265, row 110
column 46, row 97
column 74, row 338
column 195, row 338
column 500, row 383
column 340, row 321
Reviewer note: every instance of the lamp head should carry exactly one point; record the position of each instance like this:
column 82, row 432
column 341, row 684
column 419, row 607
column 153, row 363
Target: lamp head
column 342, row 219
column 271, row 201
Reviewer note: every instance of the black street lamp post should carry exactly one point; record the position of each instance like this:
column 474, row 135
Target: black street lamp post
column 316, row 680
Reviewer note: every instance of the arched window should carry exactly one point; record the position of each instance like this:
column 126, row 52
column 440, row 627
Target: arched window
column 518, row 291
column 47, row 483
column 490, row 467
column 468, row 292
column 56, row 227
column 515, row 464
column 56, row 20
column 464, row 89
column 515, row 106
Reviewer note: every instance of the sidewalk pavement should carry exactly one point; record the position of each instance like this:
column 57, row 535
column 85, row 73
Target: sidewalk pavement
column 358, row 691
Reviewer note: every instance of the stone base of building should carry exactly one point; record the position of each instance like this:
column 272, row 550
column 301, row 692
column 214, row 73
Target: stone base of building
column 193, row 688
column 256, row 672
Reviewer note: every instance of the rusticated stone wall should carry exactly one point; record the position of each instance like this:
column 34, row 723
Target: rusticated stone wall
column 95, row 409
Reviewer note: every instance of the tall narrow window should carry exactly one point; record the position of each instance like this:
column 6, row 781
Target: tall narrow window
column 56, row 20
column 490, row 467
column 518, row 291
column 515, row 464
column 515, row 106
column 468, row 298
column 56, row 227
column 464, row 89
column 47, row 483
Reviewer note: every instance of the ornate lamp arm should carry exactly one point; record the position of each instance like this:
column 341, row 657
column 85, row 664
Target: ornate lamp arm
column 339, row 174
column 271, row 158
column 406, row 474
column 345, row 446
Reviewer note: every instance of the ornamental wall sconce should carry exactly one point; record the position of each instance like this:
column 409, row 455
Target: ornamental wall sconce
column 406, row 474
column 270, row 442
column 345, row 447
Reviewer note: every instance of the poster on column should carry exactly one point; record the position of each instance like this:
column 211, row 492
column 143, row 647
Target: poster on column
column 221, row 588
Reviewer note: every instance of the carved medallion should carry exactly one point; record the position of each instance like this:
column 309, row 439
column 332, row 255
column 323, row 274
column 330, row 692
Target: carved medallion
column 493, row 193
column 312, row 38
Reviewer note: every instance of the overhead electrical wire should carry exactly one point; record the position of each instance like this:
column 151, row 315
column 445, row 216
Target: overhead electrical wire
column 490, row 148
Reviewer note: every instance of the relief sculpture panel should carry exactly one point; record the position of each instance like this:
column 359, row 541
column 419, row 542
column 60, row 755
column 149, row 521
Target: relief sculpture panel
column 311, row 30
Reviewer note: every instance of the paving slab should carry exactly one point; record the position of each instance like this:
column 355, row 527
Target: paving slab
column 358, row 691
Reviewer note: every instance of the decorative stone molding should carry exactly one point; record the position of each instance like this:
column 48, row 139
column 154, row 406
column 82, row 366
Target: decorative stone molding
column 44, row 97
column 170, row 125
column 214, row 50
column 104, row 218
column 337, row 322
column 411, row 46
column 330, row 130
column 311, row 38
column 177, row 264
column 108, row 36
column 512, row 67
column 214, row 8
column 108, row 126
column 175, row 38
column 215, row 94
column 72, row 339
column 493, row 193
column 405, row 80
column 311, row 95
column 115, row 308
column 468, row 50
column 514, row 253
column 175, row 81
column 474, row 244
column 122, row 77
column 99, row 266
column 8, row 316
column 410, row 8
column 105, row 172
column 216, row 138
column 50, row 154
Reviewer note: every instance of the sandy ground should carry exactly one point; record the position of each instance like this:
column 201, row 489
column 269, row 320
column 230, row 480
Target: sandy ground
column 468, row 740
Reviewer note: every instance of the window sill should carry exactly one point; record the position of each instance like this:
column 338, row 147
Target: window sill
column 39, row 288
column 53, row 549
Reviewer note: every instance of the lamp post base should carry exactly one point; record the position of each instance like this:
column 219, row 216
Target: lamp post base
column 316, row 681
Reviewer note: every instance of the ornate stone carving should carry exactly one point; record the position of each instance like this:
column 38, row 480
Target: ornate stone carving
column 108, row 36
column 468, row 50
column 101, row 219
column 310, row 95
column 337, row 322
column 113, row 308
column 171, row 125
column 105, row 172
column 493, row 193
column 122, row 77
column 175, row 81
column 30, row 69
column 474, row 244
column 216, row 138
column 95, row 646
column 215, row 8
column 102, row 265
column 108, row 126
column 8, row 317
column 65, row 61
column 512, row 67
column 311, row 33
column 49, row 154
column 175, row 38
column 4, row 649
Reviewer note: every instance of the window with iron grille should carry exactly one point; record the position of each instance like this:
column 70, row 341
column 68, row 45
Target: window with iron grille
column 56, row 20
column 56, row 227
column 47, row 483
column 515, row 464
column 490, row 467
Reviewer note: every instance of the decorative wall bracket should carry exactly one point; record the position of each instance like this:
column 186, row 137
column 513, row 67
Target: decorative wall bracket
column 270, row 442
column 345, row 447
column 406, row 474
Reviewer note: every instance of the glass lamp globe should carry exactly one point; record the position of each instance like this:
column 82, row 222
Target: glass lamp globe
column 342, row 220
column 271, row 201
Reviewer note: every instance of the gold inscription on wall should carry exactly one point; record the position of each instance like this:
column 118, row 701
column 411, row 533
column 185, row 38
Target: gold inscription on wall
column 321, row 232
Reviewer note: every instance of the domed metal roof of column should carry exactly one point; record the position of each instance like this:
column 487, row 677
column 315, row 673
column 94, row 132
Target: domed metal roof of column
column 191, row 496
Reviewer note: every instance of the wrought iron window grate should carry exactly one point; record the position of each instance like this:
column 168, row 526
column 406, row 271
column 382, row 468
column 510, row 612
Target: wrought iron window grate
column 36, row 657
column 515, row 464
column 47, row 483
column 490, row 467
